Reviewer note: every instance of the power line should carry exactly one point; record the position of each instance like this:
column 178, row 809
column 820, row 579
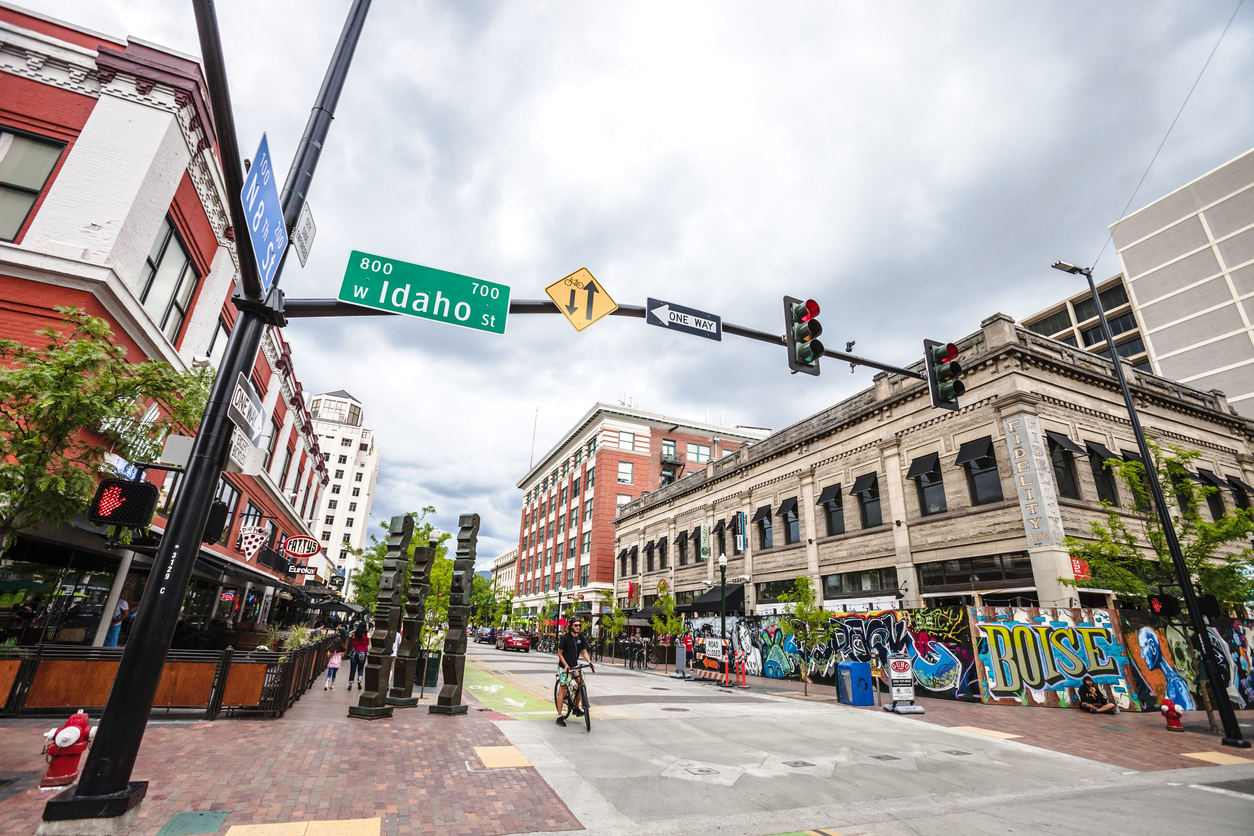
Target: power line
column 1183, row 104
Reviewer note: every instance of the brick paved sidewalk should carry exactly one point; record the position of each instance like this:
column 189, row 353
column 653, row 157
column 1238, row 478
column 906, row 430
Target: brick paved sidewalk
column 418, row 772
column 1133, row 740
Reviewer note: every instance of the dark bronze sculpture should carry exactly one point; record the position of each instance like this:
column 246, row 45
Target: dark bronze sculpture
column 387, row 613
column 450, row 699
column 402, row 692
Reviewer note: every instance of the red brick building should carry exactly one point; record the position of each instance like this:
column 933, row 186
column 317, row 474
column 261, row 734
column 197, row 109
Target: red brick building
column 611, row 456
column 112, row 199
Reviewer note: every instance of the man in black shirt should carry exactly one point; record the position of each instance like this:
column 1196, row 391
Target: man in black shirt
column 568, row 653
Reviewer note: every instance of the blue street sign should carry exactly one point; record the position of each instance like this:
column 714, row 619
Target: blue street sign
column 688, row 320
column 265, row 215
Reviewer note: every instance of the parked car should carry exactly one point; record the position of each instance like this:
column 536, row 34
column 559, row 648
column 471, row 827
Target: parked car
column 485, row 635
column 513, row 640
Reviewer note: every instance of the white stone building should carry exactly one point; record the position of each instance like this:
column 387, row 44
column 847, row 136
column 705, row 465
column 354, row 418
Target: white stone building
column 503, row 570
column 352, row 460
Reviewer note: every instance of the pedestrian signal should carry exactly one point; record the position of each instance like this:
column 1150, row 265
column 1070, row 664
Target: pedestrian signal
column 125, row 503
column 1164, row 606
column 801, row 331
column 943, row 371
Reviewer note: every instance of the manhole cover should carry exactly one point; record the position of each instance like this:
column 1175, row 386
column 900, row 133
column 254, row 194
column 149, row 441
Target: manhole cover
column 674, row 709
column 194, row 823
column 797, row 764
column 701, row 770
column 884, row 758
column 955, row 752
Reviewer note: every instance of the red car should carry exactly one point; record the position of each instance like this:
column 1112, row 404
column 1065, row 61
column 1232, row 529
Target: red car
column 512, row 640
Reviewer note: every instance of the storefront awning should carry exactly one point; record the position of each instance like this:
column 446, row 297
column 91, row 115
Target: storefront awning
column 864, row 483
column 710, row 600
column 1237, row 485
column 972, row 450
column 830, row 494
column 1210, row 478
column 1100, row 451
column 719, row 526
column 761, row 514
column 788, row 506
column 929, row 463
column 1064, row 442
column 681, row 537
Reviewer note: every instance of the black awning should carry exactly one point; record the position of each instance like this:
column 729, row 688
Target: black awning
column 734, row 524
column 1064, row 442
column 761, row 514
column 681, row 537
column 972, row 450
column 711, row 600
column 788, row 506
column 864, row 483
column 622, row 554
column 1100, row 451
column 1129, row 456
column 635, row 551
column 929, row 463
column 719, row 526
column 830, row 494
column 1210, row 478
column 1236, row 484
column 696, row 534
column 648, row 547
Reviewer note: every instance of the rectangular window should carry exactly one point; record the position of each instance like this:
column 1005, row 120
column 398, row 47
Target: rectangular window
column 562, row 501
column 346, row 442
column 548, row 557
column 661, row 554
column 574, row 488
column 583, row 575
column 339, row 474
column 357, row 477
column 549, row 531
column 578, row 456
column 624, row 473
column 25, row 165
column 329, row 519
column 287, row 463
column 592, row 448
column 349, row 522
column 765, row 533
column 273, row 443
column 335, row 489
column 982, row 478
column 354, row 415
column 168, row 282
column 591, row 478
column 698, row 453
column 859, row 583
column 925, row 470
column 587, row 542
column 332, row 504
column 587, row 510
column 1112, row 297
column 557, row 555
column 648, row 558
column 1064, row 468
column 326, row 536
column 626, row 441
column 343, row 460
column 791, row 523
column 635, row 565
column 356, row 491
column 668, row 450
column 1052, row 324
column 570, row 578
column 217, row 345
column 352, row 506
column 682, row 544
column 832, row 504
column 365, row 448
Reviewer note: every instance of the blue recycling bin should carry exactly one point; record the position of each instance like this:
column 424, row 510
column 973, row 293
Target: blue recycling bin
column 853, row 683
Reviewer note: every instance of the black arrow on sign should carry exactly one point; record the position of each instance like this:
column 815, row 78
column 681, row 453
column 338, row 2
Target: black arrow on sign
column 592, row 288
column 570, row 308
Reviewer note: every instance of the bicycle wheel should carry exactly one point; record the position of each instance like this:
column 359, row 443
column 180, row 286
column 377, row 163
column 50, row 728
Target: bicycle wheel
column 583, row 703
column 564, row 711
column 650, row 659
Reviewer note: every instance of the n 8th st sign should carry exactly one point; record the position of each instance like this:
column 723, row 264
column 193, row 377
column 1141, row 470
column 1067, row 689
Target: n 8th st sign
column 385, row 284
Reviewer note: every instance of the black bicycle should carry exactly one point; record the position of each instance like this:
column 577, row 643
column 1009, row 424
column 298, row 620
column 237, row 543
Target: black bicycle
column 576, row 696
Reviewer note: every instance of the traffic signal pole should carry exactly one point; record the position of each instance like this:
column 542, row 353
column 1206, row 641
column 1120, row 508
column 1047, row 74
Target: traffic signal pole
column 105, row 790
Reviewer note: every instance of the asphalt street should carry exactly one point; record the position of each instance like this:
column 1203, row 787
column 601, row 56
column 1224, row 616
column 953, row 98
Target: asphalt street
column 666, row 756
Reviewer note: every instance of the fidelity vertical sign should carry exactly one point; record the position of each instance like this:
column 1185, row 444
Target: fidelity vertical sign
column 1038, row 498
column 386, row 284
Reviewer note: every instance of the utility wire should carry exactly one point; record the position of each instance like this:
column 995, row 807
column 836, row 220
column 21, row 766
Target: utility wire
column 1141, row 182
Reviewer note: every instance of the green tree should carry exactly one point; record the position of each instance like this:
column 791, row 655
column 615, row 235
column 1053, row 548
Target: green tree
column 483, row 602
column 613, row 619
column 668, row 624
column 809, row 625
column 548, row 612
column 55, row 395
column 1130, row 557
column 366, row 581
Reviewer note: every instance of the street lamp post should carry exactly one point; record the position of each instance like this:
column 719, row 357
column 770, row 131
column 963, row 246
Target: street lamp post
column 1232, row 731
column 722, row 595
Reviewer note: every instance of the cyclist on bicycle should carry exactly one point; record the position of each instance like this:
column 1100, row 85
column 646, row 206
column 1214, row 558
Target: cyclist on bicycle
column 572, row 646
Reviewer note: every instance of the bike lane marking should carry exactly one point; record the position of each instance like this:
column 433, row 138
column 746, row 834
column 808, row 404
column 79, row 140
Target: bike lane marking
column 535, row 699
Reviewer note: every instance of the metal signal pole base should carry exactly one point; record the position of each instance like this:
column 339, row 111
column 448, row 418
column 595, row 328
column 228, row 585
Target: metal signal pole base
column 1236, row 742
column 68, row 815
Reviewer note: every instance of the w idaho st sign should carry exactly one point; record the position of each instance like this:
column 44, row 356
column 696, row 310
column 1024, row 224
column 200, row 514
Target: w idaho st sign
column 411, row 289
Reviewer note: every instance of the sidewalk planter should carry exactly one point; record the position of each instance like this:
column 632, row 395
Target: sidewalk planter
column 433, row 667
column 51, row 679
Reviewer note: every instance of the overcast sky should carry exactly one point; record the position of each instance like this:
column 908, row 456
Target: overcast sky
column 914, row 166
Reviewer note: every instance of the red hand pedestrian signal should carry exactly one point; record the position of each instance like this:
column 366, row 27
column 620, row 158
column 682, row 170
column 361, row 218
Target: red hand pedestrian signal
column 125, row 503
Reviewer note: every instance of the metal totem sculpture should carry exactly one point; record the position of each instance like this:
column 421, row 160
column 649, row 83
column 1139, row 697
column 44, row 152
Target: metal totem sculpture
column 402, row 692
column 387, row 614
column 450, row 700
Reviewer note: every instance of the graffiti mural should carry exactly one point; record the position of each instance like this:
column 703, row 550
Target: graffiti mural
column 1165, row 666
column 1033, row 656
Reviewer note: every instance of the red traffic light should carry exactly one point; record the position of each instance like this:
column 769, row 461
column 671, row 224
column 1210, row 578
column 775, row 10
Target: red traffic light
column 812, row 310
column 951, row 352
column 125, row 503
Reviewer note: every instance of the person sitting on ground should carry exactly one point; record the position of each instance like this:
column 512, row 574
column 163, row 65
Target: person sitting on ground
column 1093, row 700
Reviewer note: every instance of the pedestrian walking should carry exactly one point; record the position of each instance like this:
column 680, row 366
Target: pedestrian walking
column 115, row 624
column 333, row 664
column 357, row 655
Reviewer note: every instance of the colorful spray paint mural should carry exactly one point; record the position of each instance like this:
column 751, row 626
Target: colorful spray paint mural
column 938, row 640
column 1164, row 665
column 1034, row 656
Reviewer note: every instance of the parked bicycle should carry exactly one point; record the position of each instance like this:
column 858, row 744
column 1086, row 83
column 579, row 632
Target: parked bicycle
column 576, row 696
column 641, row 656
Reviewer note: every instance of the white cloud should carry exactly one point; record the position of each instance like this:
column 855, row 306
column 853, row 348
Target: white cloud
column 915, row 167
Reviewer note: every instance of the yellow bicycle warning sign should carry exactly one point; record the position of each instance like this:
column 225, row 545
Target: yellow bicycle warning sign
column 581, row 298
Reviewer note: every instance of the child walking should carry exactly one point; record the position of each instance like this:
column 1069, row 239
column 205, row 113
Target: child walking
column 333, row 664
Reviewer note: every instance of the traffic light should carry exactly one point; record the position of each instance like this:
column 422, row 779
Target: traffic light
column 801, row 331
column 1164, row 606
column 125, row 503
column 943, row 371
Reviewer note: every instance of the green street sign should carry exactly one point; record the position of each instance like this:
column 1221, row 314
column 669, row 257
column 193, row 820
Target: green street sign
column 400, row 287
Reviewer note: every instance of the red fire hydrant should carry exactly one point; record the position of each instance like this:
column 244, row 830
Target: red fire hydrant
column 64, row 748
column 1173, row 715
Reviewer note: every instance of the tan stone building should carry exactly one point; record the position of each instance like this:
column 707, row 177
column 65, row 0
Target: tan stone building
column 883, row 498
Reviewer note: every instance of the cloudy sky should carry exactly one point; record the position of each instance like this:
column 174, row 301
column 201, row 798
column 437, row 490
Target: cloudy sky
column 913, row 166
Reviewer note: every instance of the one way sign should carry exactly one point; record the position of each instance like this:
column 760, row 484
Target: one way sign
column 687, row 320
